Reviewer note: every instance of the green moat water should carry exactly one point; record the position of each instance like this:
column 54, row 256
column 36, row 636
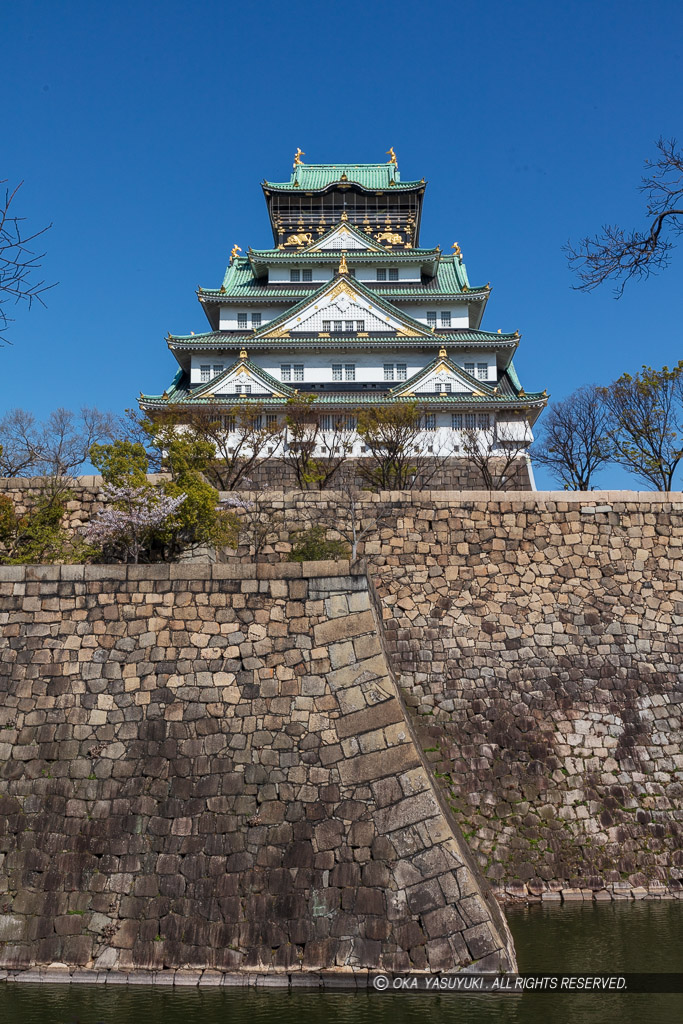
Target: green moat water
column 584, row 937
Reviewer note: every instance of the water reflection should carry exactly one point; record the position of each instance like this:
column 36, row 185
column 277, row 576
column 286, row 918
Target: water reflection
column 574, row 937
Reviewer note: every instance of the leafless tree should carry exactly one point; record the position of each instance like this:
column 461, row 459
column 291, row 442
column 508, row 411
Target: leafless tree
column 261, row 521
column 346, row 511
column 646, row 423
column 575, row 442
column 617, row 254
column 497, row 452
column 405, row 449
column 242, row 437
column 18, row 262
column 55, row 448
column 318, row 443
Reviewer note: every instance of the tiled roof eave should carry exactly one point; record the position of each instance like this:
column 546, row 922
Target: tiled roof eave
column 338, row 342
column 333, row 255
column 408, row 294
column 536, row 401
column 397, row 186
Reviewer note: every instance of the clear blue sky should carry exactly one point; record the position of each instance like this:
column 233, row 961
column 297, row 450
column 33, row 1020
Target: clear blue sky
column 142, row 131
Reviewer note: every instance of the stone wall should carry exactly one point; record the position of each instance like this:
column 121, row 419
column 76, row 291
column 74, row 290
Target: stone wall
column 210, row 766
column 538, row 642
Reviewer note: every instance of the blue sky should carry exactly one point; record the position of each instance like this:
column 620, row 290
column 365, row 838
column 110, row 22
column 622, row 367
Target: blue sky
column 142, row 131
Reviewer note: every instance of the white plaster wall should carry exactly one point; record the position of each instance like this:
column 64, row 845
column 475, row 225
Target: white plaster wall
column 280, row 275
column 318, row 366
column 459, row 312
column 369, row 274
column 228, row 316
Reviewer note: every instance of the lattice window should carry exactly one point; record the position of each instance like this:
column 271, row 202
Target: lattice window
column 469, row 368
column 430, row 421
column 349, row 371
column 470, row 421
column 286, row 371
column 336, row 371
column 306, row 275
column 381, row 274
column 482, row 371
column 445, row 318
column 431, row 318
column 327, row 325
column 456, row 421
column 483, row 421
column 393, row 273
column 295, row 275
column 217, row 369
column 242, row 321
column 205, row 374
column 360, row 325
column 388, row 371
column 255, row 319
column 298, row 371
column 401, row 371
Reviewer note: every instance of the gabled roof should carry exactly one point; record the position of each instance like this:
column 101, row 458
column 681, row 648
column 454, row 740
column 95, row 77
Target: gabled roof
column 346, row 232
column 354, row 289
column 369, row 177
column 214, row 340
column 442, row 362
column 244, row 367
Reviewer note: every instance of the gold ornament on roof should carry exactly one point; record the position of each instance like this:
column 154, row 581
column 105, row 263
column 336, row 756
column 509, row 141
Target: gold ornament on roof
column 297, row 156
column 233, row 252
column 343, row 267
column 545, row 392
column 457, row 251
column 392, row 155
column 442, row 353
column 243, row 353
column 499, row 331
column 344, row 215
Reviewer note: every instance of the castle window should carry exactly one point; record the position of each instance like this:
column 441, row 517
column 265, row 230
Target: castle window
column 271, row 420
column 255, row 319
column 306, row 275
column 483, row 421
column 445, row 318
column 470, row 421
column 242, row 321
column 327, row 325
column 393, row 273
column 348, row 325
column 286, row 371
column 442, row 386
column 456, row 421
column 217, row 369
column 242, row 389
column 205, row 374
column 295, row 275
column 349, row 371
column 431, row 318
column 381, row 274
column 228, row 424
column 338, row 325
column 482, row 371
column 388, row 371
column 258, row 423
column 401, row 371
column 469, row 368
column 430, row 421
column 336, row 371
column 298, row 371
column 360, row 325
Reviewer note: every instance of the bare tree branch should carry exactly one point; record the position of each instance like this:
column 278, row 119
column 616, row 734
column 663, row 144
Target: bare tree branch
column 575, row 442
column 18, row 263
column 617, row 254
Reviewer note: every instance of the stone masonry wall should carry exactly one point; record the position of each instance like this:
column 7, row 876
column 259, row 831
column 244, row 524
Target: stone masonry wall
column 209, row 766
column 537, row 640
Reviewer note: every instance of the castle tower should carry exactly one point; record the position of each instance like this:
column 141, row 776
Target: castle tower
column 347, row 307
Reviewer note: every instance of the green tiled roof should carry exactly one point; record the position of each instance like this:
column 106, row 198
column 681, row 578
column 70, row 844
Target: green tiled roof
column 314, row 177
column 228, row 340
column 241, row 283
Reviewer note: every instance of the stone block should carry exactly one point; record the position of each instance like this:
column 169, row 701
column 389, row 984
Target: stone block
column 381, row 763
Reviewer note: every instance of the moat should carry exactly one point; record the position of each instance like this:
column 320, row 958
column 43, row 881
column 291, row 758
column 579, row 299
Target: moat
column 617, row 937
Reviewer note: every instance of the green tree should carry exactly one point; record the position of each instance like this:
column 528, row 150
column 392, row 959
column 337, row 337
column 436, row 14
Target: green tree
column 121, row 463
column 646, row 423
